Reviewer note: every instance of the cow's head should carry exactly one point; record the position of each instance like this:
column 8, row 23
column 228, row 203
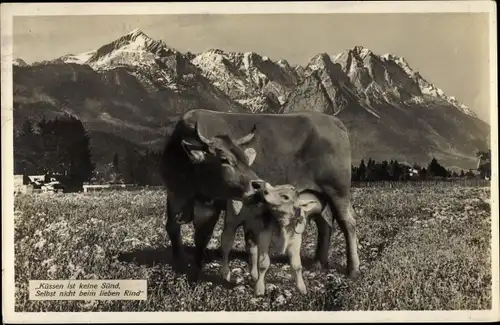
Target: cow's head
column 222, row 165
column 288, row 206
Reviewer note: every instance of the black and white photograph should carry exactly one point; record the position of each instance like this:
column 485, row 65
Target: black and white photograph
column 250, row 157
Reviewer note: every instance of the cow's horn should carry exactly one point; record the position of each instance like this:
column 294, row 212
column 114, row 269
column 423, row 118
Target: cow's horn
column 247, row 138
column 200, row 136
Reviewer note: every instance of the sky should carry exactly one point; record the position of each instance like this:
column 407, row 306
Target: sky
column 450, row 50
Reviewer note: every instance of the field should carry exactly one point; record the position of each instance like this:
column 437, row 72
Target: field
column 421, row 248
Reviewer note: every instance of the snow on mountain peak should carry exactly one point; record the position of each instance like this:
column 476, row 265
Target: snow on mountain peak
column 389, row 77
column 361, row 51
column 319, row 61
column 283, row 63
column 136, row 31
column 426, row 87
column 401, row 62
column 81, row 58
column 133, row 49
column 215, row 51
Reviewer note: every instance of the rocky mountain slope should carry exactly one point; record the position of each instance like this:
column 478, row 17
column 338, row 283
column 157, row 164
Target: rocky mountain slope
column 389, row 109
column 248, row 78
column 134, row 88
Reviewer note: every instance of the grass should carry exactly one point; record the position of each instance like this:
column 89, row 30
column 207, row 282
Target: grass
column 421, row 248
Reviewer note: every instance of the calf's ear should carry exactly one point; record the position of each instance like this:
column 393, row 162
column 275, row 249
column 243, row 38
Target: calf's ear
column 307, row 206
column 301, row 226
column 302, row 212
column 196, row 152
column 301, row 217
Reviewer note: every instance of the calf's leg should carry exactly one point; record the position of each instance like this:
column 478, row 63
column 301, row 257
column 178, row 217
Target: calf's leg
column 252, row 249
column 227, row 239
column 293, row 251
column 264, row 241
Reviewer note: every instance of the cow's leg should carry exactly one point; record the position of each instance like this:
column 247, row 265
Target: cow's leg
column 174, row 230
column 293, row 251
column 253, row 251
column 345, row 216
column 204, row 228
column 323, row 242
column 226, row 243
column 263, row 242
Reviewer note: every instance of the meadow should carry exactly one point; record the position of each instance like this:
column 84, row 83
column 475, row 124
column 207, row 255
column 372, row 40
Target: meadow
column 421, row 248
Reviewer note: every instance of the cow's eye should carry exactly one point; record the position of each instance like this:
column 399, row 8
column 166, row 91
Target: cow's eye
column 285, row 197
column 225, row 160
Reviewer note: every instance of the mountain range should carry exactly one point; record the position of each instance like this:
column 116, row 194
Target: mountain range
column 130, row 92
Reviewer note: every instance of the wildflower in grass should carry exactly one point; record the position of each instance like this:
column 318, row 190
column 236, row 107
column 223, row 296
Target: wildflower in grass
column 52, row 270
column 99, row 253
column 41, row 243
column 280, row 300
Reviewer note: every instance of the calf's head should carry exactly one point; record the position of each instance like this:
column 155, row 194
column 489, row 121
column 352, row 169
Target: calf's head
column 222, row 165
column 289, row 206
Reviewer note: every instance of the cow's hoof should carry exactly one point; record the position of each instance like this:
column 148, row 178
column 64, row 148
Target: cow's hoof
column 195, row 275
column 194, row 279
column 227, row 276
column 180, row 267
column 354, row 274
column 320, row 266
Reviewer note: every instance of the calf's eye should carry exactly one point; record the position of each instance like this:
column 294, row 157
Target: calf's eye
column 285, row 197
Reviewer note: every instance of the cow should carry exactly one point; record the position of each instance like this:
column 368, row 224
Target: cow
column 195, row 170
column 309, row 150
column 285, row 211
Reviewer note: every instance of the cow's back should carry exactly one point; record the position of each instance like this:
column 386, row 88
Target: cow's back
column 293, row 148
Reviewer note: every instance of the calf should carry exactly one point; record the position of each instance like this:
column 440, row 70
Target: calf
column 282, row 210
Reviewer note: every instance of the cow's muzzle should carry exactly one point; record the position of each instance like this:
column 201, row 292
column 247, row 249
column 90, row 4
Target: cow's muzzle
column 256, row 192
column 257, row 185
column 255, row 188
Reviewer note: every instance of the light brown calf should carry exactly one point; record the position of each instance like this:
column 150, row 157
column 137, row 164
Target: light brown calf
column 284, row 212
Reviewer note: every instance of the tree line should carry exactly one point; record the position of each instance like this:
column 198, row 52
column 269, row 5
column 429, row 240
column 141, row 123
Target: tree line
column 374, row 171
column 61, row 146
column 133, row 167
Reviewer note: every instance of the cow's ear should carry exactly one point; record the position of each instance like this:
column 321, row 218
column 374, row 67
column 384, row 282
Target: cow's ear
column 251, row 155
column 196, row 152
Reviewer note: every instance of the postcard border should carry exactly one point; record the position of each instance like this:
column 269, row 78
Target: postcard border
column 8, row 10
